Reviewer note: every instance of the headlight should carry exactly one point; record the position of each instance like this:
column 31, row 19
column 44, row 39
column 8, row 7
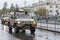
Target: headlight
column 34, row 23
column 18, row 22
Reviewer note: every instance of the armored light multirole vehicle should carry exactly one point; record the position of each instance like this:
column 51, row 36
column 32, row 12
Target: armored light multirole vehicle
column 20, row 21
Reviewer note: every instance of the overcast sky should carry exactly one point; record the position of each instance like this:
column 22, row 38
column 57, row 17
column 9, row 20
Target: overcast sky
column 19, row 2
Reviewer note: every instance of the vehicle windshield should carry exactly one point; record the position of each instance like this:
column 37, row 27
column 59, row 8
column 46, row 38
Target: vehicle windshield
column 22, row 16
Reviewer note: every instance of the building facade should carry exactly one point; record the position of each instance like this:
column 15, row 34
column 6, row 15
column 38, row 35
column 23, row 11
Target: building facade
column 53, row 6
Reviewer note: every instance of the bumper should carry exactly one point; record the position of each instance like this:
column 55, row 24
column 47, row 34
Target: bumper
column 5, row 20
column 21, row 25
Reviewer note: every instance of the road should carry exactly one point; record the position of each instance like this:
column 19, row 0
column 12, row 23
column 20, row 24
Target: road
column 39, row 35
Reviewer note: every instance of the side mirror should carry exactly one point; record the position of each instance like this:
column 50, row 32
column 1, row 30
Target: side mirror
column 26, row 12
column 32, row 17
column 12, row 17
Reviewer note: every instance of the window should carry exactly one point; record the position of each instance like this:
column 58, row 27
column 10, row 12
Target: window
column 47, row 3
column 50, row 10
column 56, row 10
column 56, row 6
column 50, row 6
column 57, row 13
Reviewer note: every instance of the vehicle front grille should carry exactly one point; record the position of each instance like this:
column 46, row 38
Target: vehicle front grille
column 27, row 22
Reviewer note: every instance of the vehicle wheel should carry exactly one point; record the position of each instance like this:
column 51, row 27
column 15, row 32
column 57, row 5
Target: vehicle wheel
column 1, row 22
column 8, row 24
column 16, row 30
column 23, row 31
column 10, row 30
column 32, row 30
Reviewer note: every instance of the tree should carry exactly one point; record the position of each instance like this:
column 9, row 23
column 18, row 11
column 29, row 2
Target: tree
column 4, row 10
column 5, row 4
column 12, row 8
column 0, row 12
column 41, row 11
column 17, row 8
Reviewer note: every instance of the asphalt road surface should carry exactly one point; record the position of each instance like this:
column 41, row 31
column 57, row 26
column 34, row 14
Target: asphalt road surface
column 39, row 35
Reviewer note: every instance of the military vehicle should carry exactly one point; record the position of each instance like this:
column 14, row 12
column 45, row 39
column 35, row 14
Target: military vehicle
column 20, row 21
column 4, row 18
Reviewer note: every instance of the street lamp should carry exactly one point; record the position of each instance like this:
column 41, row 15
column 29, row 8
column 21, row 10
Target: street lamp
column 25, row 3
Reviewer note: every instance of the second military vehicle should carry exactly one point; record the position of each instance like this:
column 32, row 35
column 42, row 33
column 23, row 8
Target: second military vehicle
column 4, row 18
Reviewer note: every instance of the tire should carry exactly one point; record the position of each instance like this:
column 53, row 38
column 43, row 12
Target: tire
column 1, row 22
column 10, row 30
column 23, row 31
column 32, row 30
column 8, row 24
column 16, row 30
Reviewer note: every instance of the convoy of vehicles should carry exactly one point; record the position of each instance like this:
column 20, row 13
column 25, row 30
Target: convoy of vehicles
column 20, row 21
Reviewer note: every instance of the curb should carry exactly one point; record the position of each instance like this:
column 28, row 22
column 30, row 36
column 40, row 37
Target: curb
column 49, row 30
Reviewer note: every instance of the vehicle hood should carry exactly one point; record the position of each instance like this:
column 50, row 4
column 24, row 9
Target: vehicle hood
column 24, row 19
column 6, row 18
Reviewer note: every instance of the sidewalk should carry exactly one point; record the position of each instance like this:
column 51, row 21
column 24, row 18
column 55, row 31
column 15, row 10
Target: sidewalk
column 53, row 29
column 50, row 22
